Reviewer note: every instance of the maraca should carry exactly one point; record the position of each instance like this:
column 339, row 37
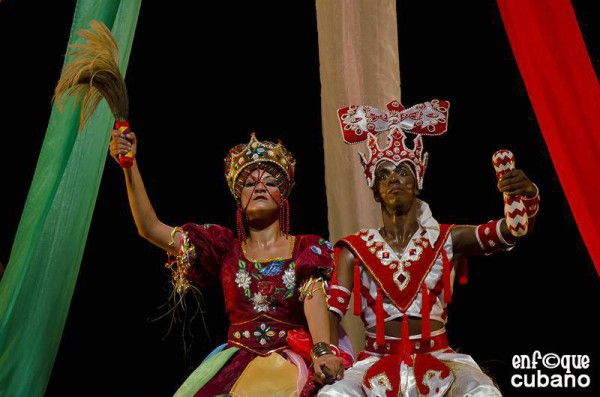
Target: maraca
column 514, row 209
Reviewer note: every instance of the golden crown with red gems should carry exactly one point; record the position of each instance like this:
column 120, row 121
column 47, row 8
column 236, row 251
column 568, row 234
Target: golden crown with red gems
column 274, row 158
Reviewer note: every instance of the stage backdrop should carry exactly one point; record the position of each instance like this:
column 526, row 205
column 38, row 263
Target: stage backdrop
column 358, row 55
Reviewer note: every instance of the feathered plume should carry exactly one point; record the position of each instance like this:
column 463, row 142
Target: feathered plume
column 93, row 74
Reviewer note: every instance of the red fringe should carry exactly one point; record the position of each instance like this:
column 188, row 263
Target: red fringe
column 446, row 277
column 379, row 319
column 463, row 272
column 357, row 310
column 405, row 341
column 284, row 216
column 425, row 313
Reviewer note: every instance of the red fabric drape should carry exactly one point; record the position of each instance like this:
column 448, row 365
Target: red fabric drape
column 563, row 89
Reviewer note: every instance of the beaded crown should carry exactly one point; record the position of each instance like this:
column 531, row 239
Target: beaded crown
column 244, row 158
column 360, row 123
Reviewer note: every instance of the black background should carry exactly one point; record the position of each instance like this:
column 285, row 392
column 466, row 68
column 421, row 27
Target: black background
column 254, row 67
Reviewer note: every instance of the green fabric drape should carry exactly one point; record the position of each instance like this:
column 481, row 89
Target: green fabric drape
column 36, row 290
column 205, row 372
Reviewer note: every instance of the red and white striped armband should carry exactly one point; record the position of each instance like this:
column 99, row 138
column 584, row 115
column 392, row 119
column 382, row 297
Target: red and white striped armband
column 338, row 299
column 490, row 237
column 532, row 205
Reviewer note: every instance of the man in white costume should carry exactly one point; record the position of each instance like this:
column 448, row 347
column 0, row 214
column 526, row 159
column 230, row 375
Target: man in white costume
column 402, row 274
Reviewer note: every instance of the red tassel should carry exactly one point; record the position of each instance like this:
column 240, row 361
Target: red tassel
column 288, row 212
column 379, row 319
column 446, row 277
column 463, row 271
column 239, row 219
column 284, row 216
column 405, row 341
column 281, row 216
column 425, row 314
column 357, row 310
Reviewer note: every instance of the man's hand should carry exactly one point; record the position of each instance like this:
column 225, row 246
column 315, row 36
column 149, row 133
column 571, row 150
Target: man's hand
column 515, row 182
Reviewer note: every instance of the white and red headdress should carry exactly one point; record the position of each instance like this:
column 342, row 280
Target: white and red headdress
column 360, row 123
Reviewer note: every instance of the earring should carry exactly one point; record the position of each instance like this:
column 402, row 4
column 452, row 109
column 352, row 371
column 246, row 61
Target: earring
column 284, row 216
column 239, row 220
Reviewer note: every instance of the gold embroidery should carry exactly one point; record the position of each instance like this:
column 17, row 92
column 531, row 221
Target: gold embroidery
column 380, row 380
column 401, row 278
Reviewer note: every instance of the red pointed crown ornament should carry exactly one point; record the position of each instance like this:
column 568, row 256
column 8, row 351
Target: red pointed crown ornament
column 360, row 123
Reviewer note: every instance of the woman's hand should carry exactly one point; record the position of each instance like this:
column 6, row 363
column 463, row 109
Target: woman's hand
column 119, row 145
column 328, row 368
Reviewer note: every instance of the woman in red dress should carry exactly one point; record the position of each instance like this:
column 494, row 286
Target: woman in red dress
column 273, row 282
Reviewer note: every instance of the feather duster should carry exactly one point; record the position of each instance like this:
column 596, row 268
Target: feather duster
column 92, row 74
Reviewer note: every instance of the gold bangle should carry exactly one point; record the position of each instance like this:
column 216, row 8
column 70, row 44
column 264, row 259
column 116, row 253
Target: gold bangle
column 320, row 349
column 317, row 287
column 175, row 230
column 310, row 286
